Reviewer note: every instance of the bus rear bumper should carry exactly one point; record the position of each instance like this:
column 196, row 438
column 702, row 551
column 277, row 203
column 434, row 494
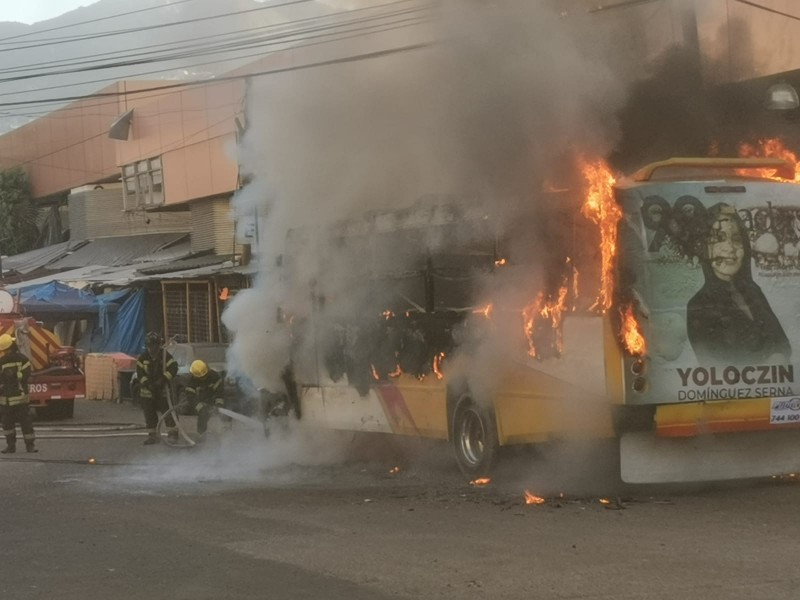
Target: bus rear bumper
column 648, row 458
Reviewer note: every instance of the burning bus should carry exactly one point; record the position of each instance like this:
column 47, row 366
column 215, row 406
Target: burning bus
column 675, row 333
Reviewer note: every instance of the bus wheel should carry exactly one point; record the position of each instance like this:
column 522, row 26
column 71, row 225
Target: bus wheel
column 474, row 439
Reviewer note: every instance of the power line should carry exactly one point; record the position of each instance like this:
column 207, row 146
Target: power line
column 96, row 57
column 228, row 46
column 627, row 4
column 261, row 54
column 769, row 10
column 323, row 63
column 97, row 20
column 55, row 41
column 363, row 31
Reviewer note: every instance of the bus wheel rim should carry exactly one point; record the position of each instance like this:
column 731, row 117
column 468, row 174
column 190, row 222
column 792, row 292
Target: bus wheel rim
column 472, row 437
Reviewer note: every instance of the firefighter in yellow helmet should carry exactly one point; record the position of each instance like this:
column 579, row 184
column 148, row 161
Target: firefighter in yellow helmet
column 15, row 369
column 204, row 393
column 155, row 369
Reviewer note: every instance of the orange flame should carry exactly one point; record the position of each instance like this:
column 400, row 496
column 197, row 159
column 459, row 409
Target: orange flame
column 437, row 365
column 604, row 501
column 601, row 208
column 770, row 148
column 394, row 470
column 480, row 482
column 375, row 373
column 224, row 294
column 532, row 499
column 387, row 314
column 397, row 372
column 631, row 333
column 575, row 286
column 553, row 312
column 500, row 262
column 486, row 311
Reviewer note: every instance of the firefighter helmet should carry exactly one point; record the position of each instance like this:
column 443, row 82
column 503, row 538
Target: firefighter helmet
column 6, row 341
column 199, row 369
column 152, row 339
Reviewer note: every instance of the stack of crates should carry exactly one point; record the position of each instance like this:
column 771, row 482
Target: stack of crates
column 102, row 374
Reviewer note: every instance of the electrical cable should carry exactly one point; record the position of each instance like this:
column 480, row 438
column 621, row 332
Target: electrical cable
column 184, row 84
column 80, row 23
column 9, row 114
column 95, row 36
column 627, row 4
column 249, row 44
column 370, row 30
column 768, row 9
column 270, row 26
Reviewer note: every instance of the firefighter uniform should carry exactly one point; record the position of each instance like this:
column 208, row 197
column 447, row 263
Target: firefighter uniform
column 15, row 369
column 155, row 369
column 204, row 393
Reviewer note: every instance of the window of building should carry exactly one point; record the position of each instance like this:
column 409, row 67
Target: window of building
column 143, row 184
column 189, row 311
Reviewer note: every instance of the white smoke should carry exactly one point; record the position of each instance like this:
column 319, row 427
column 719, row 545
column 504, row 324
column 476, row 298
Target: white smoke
column 240, row 456
column 487, row 110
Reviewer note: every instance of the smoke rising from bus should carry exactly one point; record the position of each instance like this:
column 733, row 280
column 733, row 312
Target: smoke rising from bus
column 481, row 117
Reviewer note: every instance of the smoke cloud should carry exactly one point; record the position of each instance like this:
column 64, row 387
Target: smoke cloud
column 480, row 118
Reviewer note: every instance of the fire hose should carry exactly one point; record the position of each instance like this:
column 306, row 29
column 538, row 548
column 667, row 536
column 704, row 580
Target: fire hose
column 88, row 431
column 188, row 442
column 183, row 440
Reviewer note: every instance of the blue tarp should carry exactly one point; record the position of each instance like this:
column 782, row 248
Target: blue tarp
column 124, row 329
column 116, row 319
column 55, row 297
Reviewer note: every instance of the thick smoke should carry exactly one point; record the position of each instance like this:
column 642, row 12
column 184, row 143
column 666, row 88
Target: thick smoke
column 480, row 118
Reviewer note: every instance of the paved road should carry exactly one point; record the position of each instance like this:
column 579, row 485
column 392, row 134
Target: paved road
column 245, row 517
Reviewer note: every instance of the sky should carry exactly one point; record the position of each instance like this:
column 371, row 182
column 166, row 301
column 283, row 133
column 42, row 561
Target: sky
column 32, row 11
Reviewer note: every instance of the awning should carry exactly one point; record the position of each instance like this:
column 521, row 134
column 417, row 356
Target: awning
column 27, row 262
column 120, row 251
column 187, row 264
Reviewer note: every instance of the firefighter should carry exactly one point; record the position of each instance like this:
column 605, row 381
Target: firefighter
column 15, row 368
column 204, row 393
column 155, row 369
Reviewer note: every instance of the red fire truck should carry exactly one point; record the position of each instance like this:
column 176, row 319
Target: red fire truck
column 57, row 377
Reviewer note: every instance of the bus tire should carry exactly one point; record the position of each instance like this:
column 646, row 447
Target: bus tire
column 474, row 438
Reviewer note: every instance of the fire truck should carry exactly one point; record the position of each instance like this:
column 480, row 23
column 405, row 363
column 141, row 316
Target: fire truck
column 57, row 377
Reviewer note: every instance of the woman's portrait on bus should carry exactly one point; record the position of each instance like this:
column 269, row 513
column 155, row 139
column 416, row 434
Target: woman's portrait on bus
column 689, row 214
column 655, row 214
column 761, row 221
column 730, row 320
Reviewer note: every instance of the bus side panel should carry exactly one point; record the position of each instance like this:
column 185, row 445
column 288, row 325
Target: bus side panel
column 404, row 406
column 559, row 397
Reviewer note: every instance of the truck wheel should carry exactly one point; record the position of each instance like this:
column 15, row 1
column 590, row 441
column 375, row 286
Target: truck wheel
column 63, row 409
column 474, row 439
column 56, row 409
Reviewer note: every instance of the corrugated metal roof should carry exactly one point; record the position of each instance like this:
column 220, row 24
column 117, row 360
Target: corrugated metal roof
column 195, row 262
column 117, row 251
column 27, row 262
column 177, row 251
column 122, row 276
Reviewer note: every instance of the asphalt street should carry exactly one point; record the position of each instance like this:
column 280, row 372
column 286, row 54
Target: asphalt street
column 307, row 515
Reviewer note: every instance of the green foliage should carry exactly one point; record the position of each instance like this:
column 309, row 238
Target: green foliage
column 18, row 230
